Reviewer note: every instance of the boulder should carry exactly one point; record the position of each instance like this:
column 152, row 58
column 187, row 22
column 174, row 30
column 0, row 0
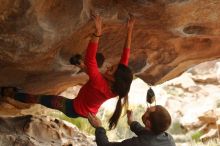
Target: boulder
column 37, row 39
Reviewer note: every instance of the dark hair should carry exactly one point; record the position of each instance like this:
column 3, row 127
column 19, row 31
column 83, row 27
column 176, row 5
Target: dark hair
column 160, row 119
column 121, row 86
column 100, row 59
column 75, row 59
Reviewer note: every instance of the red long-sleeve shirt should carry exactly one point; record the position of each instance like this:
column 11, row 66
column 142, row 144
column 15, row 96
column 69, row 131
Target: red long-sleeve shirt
column 96, row 90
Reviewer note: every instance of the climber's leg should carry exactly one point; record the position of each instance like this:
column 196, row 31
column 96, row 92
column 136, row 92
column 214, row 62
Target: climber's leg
column 51, row 101
column 69, row 109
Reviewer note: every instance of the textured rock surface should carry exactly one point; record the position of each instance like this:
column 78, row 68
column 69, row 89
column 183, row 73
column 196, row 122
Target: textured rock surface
column 19, row 128
column 38, row 37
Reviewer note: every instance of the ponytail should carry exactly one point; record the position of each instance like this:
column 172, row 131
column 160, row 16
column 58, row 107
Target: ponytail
column 113, row 121
column 121, row 86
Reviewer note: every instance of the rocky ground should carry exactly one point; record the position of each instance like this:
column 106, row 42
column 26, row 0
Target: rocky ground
column 24, row 125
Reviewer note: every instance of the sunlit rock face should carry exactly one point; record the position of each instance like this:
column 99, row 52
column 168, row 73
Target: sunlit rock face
column 38, row 37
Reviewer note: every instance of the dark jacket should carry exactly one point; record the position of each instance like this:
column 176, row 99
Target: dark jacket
column 144, row 138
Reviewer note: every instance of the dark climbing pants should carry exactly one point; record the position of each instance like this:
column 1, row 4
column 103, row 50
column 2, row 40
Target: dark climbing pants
column 51, row 101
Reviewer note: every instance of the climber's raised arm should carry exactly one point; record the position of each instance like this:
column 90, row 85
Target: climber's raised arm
column 90, row 57
column 98, row 32
column 126, row 51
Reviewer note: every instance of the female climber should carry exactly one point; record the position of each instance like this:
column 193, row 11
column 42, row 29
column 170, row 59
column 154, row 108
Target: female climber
column 114, row 82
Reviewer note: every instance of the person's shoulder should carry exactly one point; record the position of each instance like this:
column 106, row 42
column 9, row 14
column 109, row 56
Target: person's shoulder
column 168, row 134
column 170, row 139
